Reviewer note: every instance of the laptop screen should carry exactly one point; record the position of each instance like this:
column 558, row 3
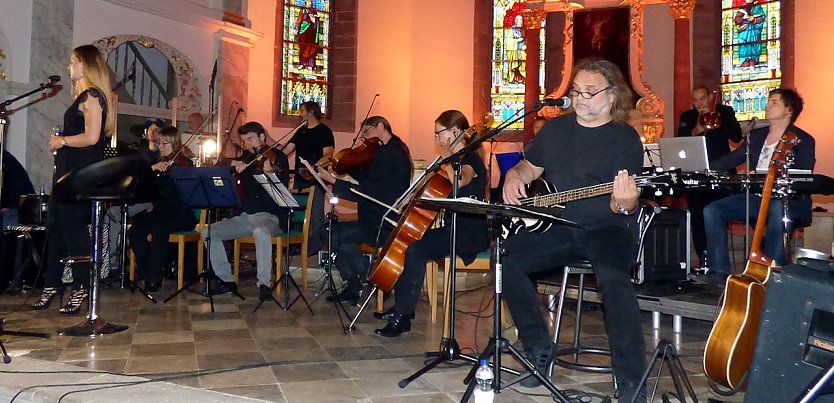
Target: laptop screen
column 689, row 154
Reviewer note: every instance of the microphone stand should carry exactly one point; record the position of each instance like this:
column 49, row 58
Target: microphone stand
column 746, row 195
column 449, row 348
column 4, row 125
column 229, row 133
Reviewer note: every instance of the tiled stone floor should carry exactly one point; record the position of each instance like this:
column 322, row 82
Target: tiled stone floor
column 293, row 356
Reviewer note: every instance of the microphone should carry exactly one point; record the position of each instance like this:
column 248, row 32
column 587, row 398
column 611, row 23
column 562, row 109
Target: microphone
column 563, row 102
column 54, row 79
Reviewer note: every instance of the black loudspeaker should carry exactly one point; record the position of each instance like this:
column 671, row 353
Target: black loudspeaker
column 666, row 248
column 796, row 335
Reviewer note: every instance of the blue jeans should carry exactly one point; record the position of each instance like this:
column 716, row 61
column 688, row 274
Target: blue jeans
column 611, row 252
column 261, row 226
column 718, row 214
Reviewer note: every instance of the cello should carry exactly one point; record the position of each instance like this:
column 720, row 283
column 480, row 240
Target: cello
column 732, row 341
column 415, row 220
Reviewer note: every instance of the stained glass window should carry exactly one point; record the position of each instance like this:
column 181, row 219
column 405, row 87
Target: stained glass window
column 305, row 61
column 750, row 54
column 509, row 55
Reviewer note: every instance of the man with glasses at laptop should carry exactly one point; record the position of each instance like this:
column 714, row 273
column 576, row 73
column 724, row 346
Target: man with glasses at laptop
column 783, row 107
column 718, row 145
column 591, row 146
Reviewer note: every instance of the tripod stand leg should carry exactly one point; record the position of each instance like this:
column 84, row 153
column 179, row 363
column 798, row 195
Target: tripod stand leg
column 351, row 327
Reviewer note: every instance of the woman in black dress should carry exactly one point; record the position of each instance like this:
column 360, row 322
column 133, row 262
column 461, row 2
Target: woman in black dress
column 87, row 122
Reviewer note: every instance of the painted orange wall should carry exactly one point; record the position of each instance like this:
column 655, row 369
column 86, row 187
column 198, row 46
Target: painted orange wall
column 814, row 81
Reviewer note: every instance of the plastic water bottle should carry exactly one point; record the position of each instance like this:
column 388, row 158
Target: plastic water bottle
column 483, row 392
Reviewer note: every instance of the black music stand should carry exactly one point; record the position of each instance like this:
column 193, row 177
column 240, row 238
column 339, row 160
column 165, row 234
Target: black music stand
column 283, row 198
column 497, row 343
column 209, row 188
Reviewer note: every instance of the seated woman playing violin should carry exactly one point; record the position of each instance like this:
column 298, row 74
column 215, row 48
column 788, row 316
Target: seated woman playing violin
column 449, row 136
column 259, row 216
column 385, row 180
column 166, row 213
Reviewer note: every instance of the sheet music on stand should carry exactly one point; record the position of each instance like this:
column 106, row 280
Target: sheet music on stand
column 277, row 191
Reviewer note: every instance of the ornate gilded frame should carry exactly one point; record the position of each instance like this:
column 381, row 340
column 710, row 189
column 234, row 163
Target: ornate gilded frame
column 188, row 90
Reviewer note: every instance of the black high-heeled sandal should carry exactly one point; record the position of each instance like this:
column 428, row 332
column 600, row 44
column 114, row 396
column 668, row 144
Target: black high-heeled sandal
column 77, row 298
column 48, row 294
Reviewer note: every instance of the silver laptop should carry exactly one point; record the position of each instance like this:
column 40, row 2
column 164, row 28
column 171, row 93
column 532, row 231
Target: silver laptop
column 689, row 154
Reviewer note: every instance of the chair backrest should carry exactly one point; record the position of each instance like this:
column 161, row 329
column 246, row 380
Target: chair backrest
column 304, row 198
column 201, row 219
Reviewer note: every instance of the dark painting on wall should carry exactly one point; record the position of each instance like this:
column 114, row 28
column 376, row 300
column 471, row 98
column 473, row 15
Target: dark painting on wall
column 603, row 33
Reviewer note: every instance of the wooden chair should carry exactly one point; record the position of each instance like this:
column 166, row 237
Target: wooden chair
column 181, row 238
column 281, row 241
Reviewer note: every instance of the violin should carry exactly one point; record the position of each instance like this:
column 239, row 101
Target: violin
column 712, row 119
column 360, row 156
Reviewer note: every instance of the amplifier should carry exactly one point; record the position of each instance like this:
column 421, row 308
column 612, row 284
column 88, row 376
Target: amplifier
column 666, row 248
column 796, row 335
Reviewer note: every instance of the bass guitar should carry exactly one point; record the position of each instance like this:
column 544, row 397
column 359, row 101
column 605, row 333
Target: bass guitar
column 414, row 221
column 544, row 194
column 732, row 341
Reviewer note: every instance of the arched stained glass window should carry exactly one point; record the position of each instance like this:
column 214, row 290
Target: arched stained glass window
column 751, row 47
column 305, row 61
column 509, row 55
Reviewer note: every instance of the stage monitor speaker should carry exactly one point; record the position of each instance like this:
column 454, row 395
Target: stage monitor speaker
column 666, row 248
column 796, row 336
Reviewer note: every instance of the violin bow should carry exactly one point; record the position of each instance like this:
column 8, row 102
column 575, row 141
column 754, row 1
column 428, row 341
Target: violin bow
column 193, row 135
column 356, row 137
column 272, row 147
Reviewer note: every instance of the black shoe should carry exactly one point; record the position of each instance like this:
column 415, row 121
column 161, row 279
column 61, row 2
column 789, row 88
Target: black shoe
column 541, row 358
column 221, row 287
column 265, row 293
column 347, row 297
column 152, row 285
column 396, row 326
column 387, row 315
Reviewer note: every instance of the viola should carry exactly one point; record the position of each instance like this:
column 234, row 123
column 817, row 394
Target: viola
column 415, row 220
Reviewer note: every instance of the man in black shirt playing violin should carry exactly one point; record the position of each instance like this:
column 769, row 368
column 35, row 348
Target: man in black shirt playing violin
column 259, row 216
column 386, row 179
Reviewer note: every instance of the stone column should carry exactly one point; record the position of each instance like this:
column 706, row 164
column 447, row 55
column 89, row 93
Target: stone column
column 52, row 23
column 682, row 12
column 532, row 35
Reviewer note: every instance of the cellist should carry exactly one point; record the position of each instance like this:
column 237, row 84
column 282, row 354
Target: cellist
column 385, row 180
column 165, row 214
column 471, row 229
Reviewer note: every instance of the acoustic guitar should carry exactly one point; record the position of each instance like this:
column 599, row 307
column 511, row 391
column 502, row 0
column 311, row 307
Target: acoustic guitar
column 415, row 220
column 732, row 341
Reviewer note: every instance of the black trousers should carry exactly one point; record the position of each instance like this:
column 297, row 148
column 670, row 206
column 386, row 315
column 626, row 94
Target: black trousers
column 151, row 255
column 353, row 266
column 433, row 245
column 67, row 235
column 610, row 250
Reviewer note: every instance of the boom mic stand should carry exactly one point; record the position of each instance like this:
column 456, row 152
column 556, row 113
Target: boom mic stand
column 449, row 348
column 4, row 125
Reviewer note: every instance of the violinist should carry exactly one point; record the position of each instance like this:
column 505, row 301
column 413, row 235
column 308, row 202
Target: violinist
column 165, row 213
column 315, row 144
column 471, row 229
column 259, row 216
column 385, row 180
column 694, row 122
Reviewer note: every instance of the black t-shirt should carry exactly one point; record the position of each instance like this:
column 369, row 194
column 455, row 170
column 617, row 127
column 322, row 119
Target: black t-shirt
column 575, row 156
column 472, row 228
column 309, row 143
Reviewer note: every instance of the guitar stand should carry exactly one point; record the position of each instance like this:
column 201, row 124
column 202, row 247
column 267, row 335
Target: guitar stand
column 665, row 354
column 287, row 280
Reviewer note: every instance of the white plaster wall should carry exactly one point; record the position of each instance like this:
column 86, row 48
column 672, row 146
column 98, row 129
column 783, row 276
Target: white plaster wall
column 95, row 19
column 16, row 25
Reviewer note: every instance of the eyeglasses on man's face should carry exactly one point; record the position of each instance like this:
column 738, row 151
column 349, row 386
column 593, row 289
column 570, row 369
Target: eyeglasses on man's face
column 437, row 133
column 586, row 94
